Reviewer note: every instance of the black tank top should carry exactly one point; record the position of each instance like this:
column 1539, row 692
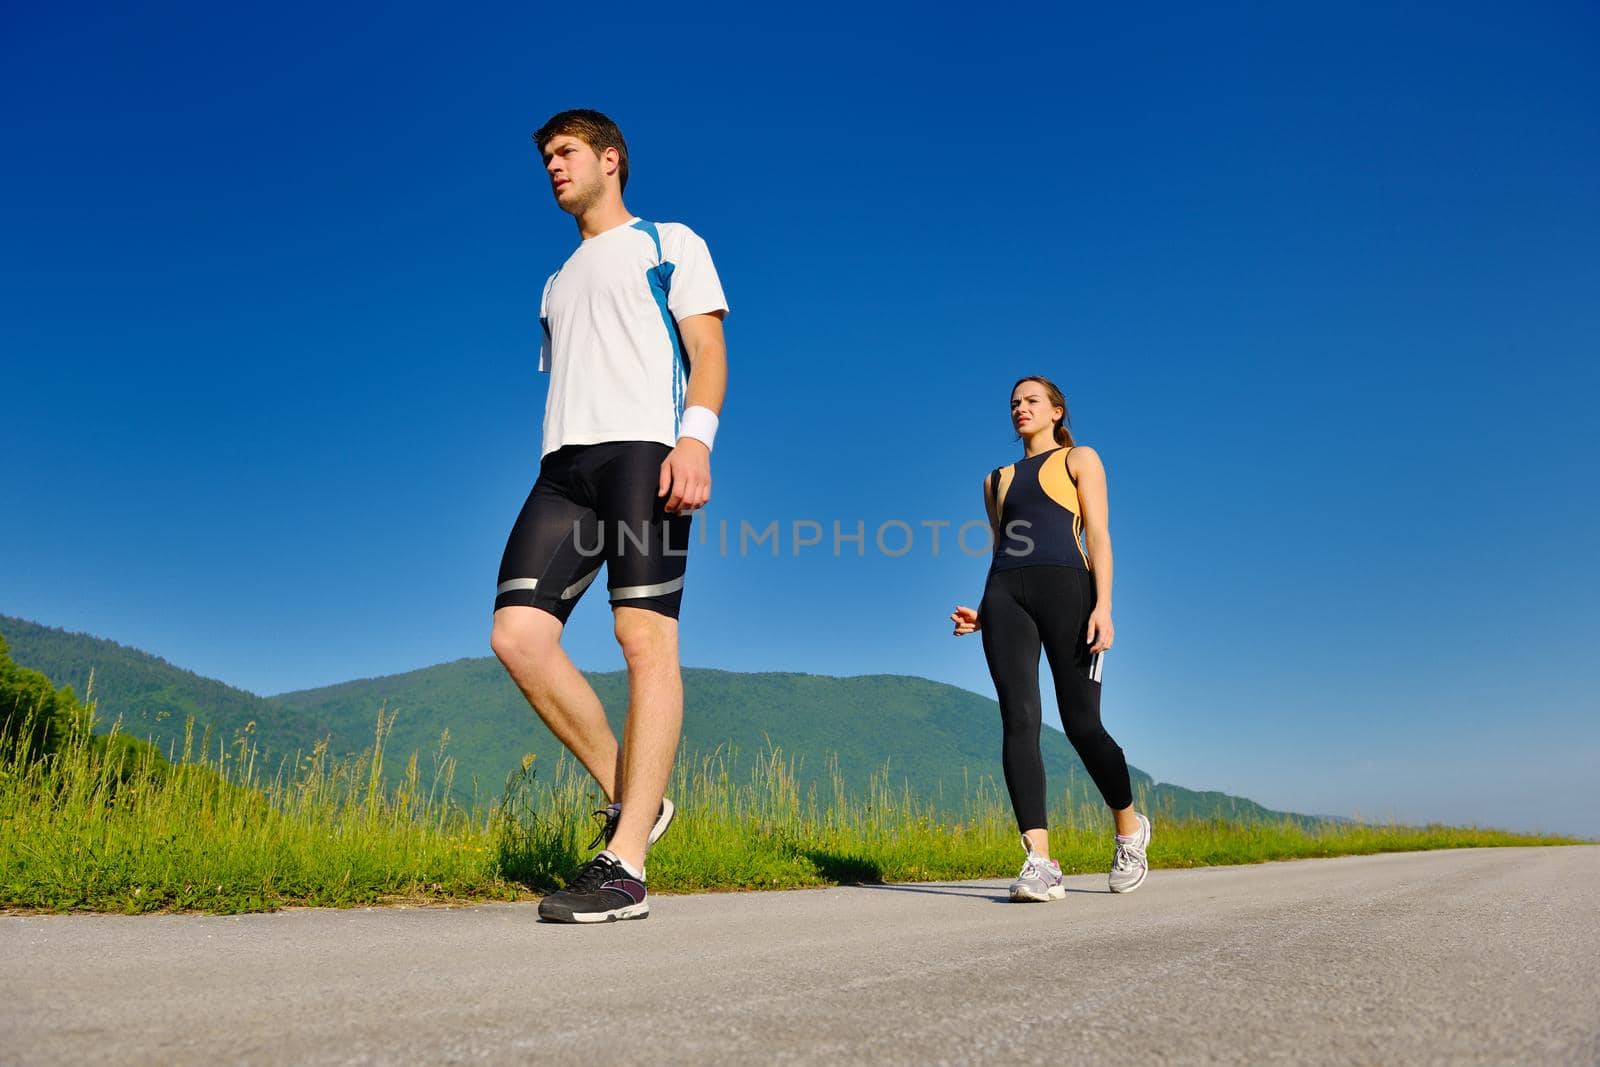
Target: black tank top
column 1036, row 501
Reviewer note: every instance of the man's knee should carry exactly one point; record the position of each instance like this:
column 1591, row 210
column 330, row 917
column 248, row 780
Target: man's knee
column 519, row 636
column 647, row 638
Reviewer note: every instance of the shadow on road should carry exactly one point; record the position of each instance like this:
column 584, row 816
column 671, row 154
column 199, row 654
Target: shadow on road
column 970, row 892
column 844, row 868
column 957, row 890
column 862, row 873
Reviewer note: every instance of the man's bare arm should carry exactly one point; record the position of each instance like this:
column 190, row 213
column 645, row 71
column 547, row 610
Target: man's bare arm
column 686, row 472
column 708, row 360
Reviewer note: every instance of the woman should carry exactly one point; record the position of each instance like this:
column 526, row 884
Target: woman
column 1050, row 585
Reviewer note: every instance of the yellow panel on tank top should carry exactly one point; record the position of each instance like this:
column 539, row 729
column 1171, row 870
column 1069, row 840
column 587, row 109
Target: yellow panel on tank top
column 1057, row 483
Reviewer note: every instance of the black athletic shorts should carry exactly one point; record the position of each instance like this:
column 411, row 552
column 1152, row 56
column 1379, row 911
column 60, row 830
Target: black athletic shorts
column 597, row 504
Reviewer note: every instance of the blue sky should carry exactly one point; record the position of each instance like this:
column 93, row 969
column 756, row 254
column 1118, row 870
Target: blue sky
column 1320, row 286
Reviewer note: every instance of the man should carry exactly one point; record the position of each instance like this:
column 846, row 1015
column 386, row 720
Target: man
column 634, row 347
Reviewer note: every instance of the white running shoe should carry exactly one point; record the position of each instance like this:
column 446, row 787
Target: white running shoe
column 1040, row 879
column 1130, row 865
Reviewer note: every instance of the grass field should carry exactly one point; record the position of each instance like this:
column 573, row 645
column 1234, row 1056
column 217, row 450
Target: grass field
column 118, row 828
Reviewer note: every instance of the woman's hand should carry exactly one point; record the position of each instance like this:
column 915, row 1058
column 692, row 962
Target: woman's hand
column 966, row 620
column 1101, row 632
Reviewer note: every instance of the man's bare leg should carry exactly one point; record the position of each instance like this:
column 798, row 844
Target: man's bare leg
column 528, row 642
column 649, row 643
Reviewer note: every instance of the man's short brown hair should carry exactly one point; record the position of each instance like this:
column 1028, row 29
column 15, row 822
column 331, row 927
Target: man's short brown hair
column 593, row 129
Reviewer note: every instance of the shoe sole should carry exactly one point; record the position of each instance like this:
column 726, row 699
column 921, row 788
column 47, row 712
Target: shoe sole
column 663, row 821
column 1026, row 896
column 567, row 915
column 1150, row 833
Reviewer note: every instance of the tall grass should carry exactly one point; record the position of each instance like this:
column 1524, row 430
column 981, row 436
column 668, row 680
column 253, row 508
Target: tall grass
column 117, row 827
column 766, row 832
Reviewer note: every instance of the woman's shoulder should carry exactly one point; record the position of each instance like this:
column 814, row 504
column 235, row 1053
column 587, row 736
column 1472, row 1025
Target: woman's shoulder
column 1082, row 457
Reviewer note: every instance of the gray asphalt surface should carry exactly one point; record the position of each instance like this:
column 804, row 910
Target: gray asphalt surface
column 1482, row 956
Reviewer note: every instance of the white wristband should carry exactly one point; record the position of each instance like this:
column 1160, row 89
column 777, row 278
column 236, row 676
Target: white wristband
column 699, row 423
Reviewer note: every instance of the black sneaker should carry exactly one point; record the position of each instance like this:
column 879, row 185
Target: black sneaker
column 612, row 812
column 602, row 892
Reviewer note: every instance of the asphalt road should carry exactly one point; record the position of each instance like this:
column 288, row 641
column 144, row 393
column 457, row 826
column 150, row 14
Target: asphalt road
column 1482, row 956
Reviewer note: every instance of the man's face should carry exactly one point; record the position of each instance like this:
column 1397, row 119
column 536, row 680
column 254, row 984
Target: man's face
column 577, row 173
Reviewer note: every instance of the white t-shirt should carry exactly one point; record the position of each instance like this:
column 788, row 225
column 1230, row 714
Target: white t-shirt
column 610, row 339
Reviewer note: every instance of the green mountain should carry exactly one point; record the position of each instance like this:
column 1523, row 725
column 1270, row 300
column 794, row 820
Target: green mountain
column 940, row 739
column 152, row 697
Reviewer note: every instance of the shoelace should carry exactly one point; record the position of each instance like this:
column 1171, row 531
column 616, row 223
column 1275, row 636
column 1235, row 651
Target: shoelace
column 1129, row 856
column 1037, row 868
column 608, row 817
column 596, row 871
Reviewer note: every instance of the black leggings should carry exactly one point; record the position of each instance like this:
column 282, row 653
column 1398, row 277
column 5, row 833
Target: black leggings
column 1024, row 608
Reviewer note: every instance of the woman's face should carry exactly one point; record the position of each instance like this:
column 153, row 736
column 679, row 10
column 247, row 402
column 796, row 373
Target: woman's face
column 1031, row 409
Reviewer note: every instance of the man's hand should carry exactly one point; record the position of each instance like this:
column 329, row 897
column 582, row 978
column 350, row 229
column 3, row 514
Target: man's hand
column 686, row 474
